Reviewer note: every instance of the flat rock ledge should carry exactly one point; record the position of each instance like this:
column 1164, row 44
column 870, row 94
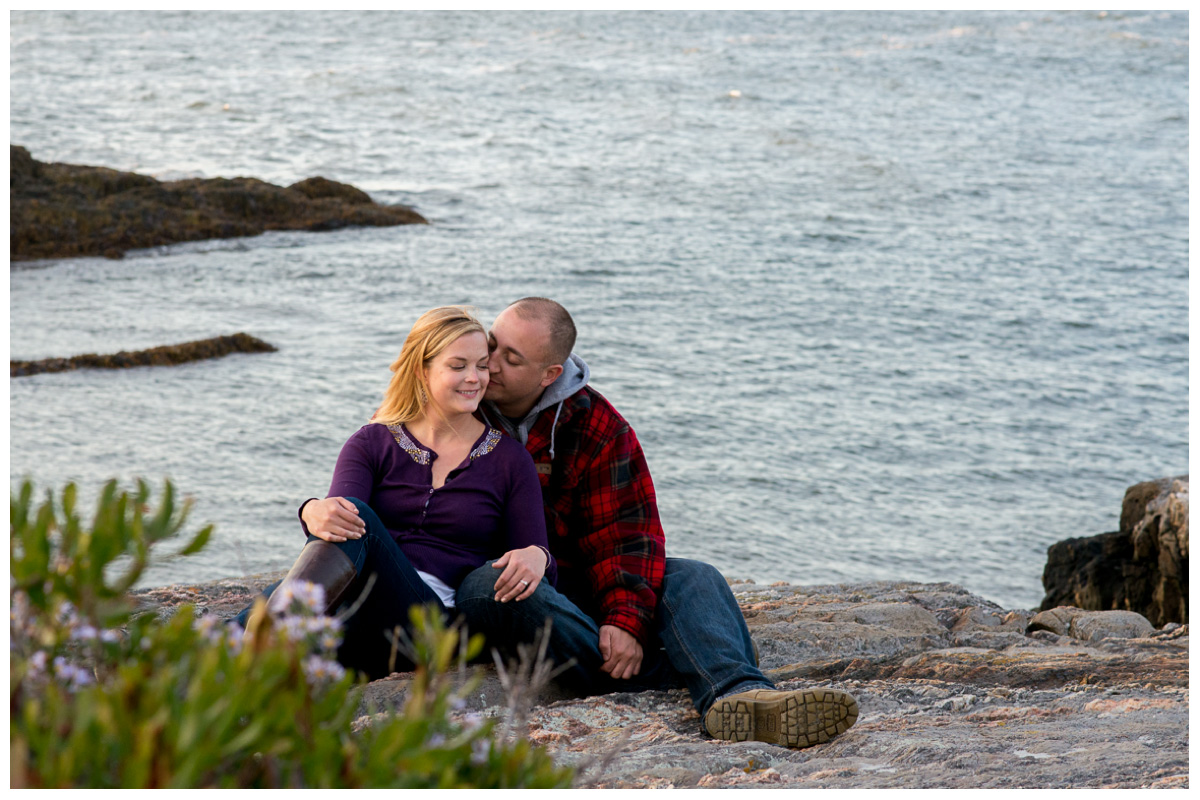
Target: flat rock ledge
column 68, row 210
column 954, row 692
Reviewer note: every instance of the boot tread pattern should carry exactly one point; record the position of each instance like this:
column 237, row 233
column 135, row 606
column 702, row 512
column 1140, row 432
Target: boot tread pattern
column 793, row 719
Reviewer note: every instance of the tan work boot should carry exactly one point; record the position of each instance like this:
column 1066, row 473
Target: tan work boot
column 794, row 719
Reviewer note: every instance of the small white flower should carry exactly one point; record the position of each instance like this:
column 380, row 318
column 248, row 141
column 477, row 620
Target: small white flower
column 211, row 629
column 84, row 633
column 110, row 636
column 321, row 669
column 73, row 676
column 479, row 752
column 292, row 627
column 311, row 596
column 81, row 677
column 66, row 613
column 38, row 661
column 286, row 595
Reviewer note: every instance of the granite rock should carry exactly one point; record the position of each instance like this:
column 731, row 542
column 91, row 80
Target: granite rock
column 1142, row 567
column 953, row 694
column 1091, row 626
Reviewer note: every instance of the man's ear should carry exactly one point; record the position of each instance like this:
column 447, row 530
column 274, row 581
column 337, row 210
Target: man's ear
column 551, row 375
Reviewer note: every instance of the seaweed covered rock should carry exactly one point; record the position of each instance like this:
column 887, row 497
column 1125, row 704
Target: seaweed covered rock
column 63, row 210
column 168, row 355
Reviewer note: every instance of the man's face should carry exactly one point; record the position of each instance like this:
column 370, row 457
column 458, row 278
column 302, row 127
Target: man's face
column 517, row 363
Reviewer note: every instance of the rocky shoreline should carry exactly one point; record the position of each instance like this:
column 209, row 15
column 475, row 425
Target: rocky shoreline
column 68, row 210
column 954, row 692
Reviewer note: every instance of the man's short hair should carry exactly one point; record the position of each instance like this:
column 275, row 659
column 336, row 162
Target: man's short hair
column 558, row 321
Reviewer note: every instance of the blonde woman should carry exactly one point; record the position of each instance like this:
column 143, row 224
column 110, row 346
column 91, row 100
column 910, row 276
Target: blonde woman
column 421, row 496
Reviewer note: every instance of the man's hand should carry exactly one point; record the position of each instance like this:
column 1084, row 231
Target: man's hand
column 334, row 519
column 622, row 653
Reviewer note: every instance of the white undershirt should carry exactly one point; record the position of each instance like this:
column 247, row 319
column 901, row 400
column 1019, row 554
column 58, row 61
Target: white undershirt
column 445, row 593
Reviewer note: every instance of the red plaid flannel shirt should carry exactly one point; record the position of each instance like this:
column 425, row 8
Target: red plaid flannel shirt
column 601, row 512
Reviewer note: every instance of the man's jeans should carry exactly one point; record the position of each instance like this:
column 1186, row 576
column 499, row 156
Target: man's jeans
column 365, row 644
column 700, row 638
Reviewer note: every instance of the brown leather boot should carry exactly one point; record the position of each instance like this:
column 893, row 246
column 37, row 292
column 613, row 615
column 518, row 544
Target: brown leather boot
column 322, row 563
column 793, row 719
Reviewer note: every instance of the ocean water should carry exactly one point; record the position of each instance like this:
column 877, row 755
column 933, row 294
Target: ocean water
column 885, row 295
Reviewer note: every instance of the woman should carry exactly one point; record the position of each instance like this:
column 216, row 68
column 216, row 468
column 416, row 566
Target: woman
column 421, row 496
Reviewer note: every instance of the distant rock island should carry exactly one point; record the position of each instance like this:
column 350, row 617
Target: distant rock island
column 67, row 210
column 167, row 356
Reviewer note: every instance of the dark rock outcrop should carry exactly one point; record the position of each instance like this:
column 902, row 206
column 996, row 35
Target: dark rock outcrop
column 952, row 692
column 166, row 356
column 64, row 210
column 1142, row 567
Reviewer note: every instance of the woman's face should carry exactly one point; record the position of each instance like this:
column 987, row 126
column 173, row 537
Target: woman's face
column 458, row 376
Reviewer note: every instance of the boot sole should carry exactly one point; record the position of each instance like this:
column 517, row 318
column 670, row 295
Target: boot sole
column 799, row 719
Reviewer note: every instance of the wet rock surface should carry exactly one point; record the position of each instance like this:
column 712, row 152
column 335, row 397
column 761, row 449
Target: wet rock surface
column 168, row 355
column 66, row 210
column 953, row 692
column 1142, row 567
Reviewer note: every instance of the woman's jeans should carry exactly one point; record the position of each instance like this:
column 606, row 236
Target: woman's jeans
column 700, row 638
column 367, row 645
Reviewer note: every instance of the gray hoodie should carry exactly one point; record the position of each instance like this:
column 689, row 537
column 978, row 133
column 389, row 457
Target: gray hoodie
column 574, row 377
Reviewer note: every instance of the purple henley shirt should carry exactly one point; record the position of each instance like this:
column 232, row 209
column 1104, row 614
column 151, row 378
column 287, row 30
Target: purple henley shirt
column 490, row 504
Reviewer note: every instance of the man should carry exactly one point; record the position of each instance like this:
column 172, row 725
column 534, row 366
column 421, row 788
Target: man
column 624, row 615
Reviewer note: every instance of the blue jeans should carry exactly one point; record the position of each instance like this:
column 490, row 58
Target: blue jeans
column 699, row 640
column 365, row 645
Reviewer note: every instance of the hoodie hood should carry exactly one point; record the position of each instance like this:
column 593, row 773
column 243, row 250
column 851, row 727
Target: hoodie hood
column 574, row 377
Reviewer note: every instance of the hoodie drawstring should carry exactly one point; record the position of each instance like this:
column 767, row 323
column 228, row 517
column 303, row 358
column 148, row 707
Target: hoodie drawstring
column 554, row 427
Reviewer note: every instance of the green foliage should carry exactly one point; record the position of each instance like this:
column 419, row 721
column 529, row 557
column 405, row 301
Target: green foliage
column 101, row 697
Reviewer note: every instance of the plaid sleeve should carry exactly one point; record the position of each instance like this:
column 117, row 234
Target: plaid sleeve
column 624, row 544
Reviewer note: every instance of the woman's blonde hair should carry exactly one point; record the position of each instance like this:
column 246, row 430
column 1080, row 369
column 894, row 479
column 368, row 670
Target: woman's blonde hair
column 407, row 394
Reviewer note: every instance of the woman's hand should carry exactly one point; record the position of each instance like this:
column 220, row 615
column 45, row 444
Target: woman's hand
column 334, row 519
column 523, row 571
